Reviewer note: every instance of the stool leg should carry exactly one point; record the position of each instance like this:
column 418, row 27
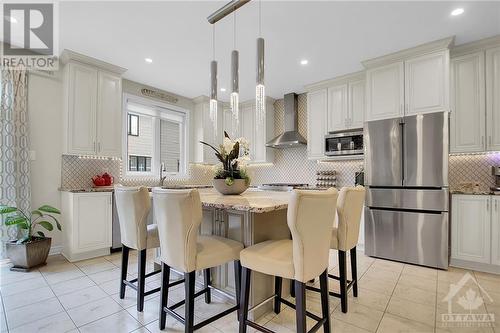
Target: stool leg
column 244, row 298
column 165, row 280
column 325, row 306
column 292, row 288
column 189, row 280
column 124, row 268
column 300, row 306
column 278, row 281
column 354, row 272
column 206, row 280
column 237, row 283
column 343, row 281
column 141, row 280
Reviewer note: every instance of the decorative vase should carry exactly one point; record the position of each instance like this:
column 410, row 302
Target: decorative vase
column 239, row 186
column 28, row 255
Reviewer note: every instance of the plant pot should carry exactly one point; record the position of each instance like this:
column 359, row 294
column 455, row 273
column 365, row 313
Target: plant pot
column 239, row 186
column 28, row 255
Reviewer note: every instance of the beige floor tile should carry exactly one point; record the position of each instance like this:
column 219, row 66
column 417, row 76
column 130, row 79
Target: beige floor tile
column 33, row 312
column 424, row 272
column 388, row 265
column 339, row 326
column 27, row 298
column 378, row 285
column 119, row 322
column 105, row 276
column 142, row 329
column 371, row 299
column 93, row 311
column 72, row 285
column 287, row 319
column 464, row 330
column 395, row 324
column 150, row 313
column 418, row 282
column 8, row 277
column 377, row 273
column 63, row 275
column 453, row 274
column 414, row 294
column 81, row 297
column 173, row 326
column 360, row 316
column 489, row 284
column 97, row 267
column 58, row 323
column 22, row 286
column 413, row 311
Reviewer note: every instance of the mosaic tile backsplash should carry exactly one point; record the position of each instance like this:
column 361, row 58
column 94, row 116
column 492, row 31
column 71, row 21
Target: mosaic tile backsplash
column 472, row 168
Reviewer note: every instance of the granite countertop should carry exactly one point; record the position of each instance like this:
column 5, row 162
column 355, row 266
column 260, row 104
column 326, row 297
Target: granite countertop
column 111, row 188
column 474, row 193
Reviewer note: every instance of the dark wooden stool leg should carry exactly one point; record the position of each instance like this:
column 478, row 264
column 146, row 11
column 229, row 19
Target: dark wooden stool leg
column 207, row 281
column 141, row 280
column 292, row 288
column 189, row 280
column 343, row 281
column 244, row 298
column 237, row 283
column 325, row 306
column 124, row 268
column 165, row 280
column 300, row 306
column 278, row 282
column 354, row 272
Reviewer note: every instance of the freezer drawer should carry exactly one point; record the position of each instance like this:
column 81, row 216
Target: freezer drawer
column 410, row 199
column 418, row 238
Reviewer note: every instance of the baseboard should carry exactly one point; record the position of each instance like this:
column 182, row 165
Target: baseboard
column 477, row 266
column 55, row 250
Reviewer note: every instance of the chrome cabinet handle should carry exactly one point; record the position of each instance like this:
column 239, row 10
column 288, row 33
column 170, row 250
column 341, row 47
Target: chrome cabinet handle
column 489, row 139
column 482, row 140
column 496, row 205
column 95, row 150
column 98, row 147
column 488, row 205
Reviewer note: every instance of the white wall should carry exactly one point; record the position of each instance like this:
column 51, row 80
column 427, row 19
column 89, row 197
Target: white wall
column 45, row 126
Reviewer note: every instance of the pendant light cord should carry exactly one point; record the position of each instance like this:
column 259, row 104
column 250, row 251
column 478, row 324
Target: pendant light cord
column 260, row 18
column 234, row 30
column 213, row 41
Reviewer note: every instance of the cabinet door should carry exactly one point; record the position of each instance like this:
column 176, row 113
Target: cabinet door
column 109, row 114
column 495, row 230
column 385, row 92
column 467, row 126
column 82, row 98
column 427, row 83
column 316, row 127
column 470, row 228
column 93, row 214
column 356, row 104
column 493, row 99
column 337, row 116
column 247, row 115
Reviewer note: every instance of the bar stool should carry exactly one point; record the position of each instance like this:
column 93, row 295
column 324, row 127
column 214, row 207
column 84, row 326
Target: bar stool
column 310, row 218
column 345, row 238
column 179, row 216
column 133, row 205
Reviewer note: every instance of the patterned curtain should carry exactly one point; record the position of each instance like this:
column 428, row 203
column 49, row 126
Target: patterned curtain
column 14, row 148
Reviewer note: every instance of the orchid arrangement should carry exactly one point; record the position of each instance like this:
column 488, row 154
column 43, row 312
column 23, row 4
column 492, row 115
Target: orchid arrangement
column 234, row 157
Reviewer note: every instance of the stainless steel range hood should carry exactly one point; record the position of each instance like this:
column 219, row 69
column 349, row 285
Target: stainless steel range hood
column 291, row 137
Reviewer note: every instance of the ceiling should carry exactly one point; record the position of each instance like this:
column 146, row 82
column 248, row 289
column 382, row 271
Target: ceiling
column 333, row 36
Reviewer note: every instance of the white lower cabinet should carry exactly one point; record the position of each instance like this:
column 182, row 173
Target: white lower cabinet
column 87, row 221
column 475, row 232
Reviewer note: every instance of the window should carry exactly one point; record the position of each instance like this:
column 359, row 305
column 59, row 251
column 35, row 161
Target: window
column 156, row 138
column 133, row 124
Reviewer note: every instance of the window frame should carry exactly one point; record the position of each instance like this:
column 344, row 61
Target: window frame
column 158, row 110
column 129, row 120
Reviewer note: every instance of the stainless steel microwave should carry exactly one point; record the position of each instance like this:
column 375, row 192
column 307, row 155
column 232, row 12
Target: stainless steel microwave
column 343, row 143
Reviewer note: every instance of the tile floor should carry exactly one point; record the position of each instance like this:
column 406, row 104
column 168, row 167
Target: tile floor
column 393, row 297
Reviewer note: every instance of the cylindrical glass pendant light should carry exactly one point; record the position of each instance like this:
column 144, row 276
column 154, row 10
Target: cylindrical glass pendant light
column 235, row 95
column 260, row 90
column 213, row 90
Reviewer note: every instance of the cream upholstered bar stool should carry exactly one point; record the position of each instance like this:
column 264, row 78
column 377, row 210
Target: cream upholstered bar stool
column 133, row 206
column 345, row 238
column 310, row 218
column 179, row 216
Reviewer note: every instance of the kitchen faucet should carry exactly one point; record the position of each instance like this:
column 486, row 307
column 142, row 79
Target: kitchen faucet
column 162, row 177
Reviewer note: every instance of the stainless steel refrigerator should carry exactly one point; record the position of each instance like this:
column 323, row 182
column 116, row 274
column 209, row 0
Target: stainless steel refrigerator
column 406, row 174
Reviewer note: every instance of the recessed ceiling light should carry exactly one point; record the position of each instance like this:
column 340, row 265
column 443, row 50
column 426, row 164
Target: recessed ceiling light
column 304, row 62
column 223, row 89
column 148, row 60
column 456, row 12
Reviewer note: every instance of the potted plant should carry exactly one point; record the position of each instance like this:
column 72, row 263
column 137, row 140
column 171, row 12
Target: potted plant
column 230, row 175
column 30, row 251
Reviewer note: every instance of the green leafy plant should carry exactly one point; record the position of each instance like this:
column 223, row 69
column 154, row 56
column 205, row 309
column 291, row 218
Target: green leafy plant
column 233, row 155
column 41, row 217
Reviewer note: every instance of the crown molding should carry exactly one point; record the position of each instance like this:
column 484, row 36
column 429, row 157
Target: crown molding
column 475, row 46
column 206, row 99
column 356, row 76
column 201, row 99
column 69, row 56
column 437, row 45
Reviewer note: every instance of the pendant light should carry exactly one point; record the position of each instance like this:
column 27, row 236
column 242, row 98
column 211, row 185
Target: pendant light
column 260, row 89
column 235, row 98
column 213, row 88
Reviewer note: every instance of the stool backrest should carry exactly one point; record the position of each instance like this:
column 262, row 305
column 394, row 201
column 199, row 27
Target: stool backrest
column 310, row 218
column 349, row 208
column 133, row 205
column 178, row 214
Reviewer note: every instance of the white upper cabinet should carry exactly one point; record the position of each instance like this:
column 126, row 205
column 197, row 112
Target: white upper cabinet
column 495, row 230
column 338, row 114
column 356, row 105
column 467, row 125
column 427, row 83
column 385, row 91
column 92, row 106
column 493, row 99
column 316, row 123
